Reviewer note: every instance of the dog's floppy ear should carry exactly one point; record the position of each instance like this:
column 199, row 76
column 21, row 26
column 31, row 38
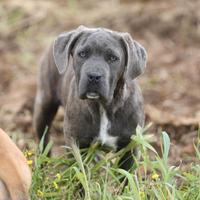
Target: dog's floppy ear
column 136, row 57
column 63, row 45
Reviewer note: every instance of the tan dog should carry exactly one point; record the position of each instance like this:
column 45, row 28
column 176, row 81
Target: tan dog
column 15, row 175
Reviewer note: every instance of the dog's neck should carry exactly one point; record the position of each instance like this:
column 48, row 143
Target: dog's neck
column 120, row 96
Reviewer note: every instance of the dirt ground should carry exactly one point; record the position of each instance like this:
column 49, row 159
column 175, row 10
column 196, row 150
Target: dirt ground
column 169, row 30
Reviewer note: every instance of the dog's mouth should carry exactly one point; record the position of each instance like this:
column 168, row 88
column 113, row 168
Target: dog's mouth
column 92, row 95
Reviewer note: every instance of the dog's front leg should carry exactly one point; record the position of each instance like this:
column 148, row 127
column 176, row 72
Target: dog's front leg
column 127, row 161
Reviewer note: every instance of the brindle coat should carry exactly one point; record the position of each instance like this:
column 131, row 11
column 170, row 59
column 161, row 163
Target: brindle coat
column 91, row 73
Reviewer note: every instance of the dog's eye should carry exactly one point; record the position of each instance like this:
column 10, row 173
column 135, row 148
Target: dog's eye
column 82, row 54
column 112, row 58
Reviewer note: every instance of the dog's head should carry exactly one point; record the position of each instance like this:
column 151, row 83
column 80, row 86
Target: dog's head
column 101, row 57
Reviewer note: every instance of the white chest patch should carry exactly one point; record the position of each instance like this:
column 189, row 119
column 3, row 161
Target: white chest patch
column 104, row 137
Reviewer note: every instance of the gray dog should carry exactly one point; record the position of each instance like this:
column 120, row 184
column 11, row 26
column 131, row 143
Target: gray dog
column 91, row 72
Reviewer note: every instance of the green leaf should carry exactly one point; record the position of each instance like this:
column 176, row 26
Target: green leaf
column 166, row 146
column 41, row 144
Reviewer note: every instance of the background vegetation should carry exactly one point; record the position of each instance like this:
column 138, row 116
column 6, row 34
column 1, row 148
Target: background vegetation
column 93, row 174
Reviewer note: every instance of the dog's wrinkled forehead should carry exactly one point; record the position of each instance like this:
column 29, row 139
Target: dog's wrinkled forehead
column 99, row 39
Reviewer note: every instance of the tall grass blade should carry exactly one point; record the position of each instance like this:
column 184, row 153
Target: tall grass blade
column 166, row 146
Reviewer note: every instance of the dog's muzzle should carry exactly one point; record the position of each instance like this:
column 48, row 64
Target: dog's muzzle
column 94, row 81
column 93, row 85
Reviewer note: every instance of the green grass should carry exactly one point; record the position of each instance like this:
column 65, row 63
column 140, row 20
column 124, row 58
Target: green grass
column 95, row 173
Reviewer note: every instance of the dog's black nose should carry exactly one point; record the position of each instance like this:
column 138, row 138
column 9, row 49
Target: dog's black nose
column 94, row 78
